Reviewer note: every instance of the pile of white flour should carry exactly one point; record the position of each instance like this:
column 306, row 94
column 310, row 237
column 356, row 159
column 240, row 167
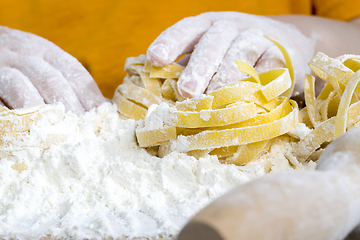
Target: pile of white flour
column 100, row 183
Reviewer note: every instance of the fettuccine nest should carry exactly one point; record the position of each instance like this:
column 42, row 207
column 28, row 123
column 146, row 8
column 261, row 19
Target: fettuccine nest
column 239, row 121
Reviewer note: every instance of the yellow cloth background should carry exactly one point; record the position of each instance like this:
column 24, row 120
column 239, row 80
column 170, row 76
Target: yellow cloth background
column 102, row 34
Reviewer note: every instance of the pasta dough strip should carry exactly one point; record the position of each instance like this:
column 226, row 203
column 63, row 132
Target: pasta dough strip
column 247, row 153
column 324, row 132
column 128, row 108
column 325, row 106
column 203, row 102
column 248, row 69
column 288, row 64
column 280, row 82
column 138, row 94
column 341, row 117
column 242, row 91
column 172, row 70
column 149, row 138
column 151, row 84
column 326, row 68
column 238, row 112
column 239, row 136
column 309, row 88
column 284, row 108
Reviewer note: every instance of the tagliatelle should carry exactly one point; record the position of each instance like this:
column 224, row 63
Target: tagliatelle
column 234, row 122
column 224, row 151
column 325, row 106
column 168, row 89
column 248, row 69
column 247, row 153
column 235, row 113
column 324, row 132
column 242, row 91
column 288, row 64
column 138, row 94
column 309, row 91
column 149, row 138
column 351, row 61
column 284, row 108
column 169, row 71
column 340, row 124
column 273, row 83
column 128, row 108
column 329, row 69
column 338, row 100
column 239, row 136
column 201, row 129
column 279, row 82
column 204, row 102
column 151, row 84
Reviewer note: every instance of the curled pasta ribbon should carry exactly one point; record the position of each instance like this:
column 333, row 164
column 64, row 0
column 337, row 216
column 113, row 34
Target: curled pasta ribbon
column 247, row 152
column 288, row 64
column 155, row 137
column 129, row 108
column 135, row 93
column 233, row 116
column 239, row 136
column 145, row 85
column 233, row 113
column 337, row 107
column 235, row 122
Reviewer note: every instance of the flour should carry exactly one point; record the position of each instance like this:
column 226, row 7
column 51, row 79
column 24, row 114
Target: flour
column 99, row 183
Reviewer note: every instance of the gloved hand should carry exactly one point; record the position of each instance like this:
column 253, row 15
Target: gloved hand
column 217, row 39
column 34, row 71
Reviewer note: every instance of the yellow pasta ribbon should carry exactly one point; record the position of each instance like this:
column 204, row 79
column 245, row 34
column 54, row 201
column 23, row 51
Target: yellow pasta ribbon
column 288, row 64
column 241, row 91
column 196, row 104
column 138, row 94
column 149, row 138
column 237, row 112
column 277, row 82
column 247, row 153
column 169, row 71
column 248, row 69
column 330, row 69
column 239, row 136
column 309, row 88
column 151, row 84
column 128, row 108
column 341, row 117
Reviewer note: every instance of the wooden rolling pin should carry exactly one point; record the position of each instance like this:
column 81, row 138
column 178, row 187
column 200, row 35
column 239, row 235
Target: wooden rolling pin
column 322, row 204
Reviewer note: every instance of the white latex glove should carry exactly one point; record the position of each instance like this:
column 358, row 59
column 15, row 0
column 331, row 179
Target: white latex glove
column 217, row 39
column 34, row 71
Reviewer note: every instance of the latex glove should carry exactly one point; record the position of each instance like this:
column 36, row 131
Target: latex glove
column 217, row 39
column 34, row 71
